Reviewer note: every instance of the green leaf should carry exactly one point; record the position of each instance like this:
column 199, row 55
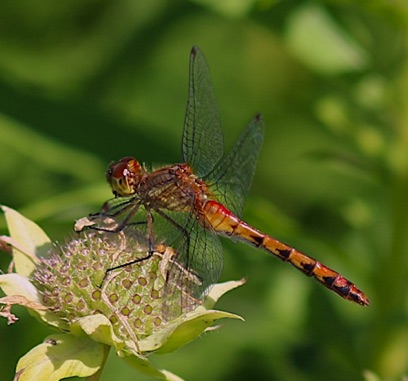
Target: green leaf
column 146, row 367
column 370, row 376
column 61, row 356
column 320, row 42
column 99, row 328
column 219, row 289
column 188, row 327
column 28, row 239
column 183, row 330
column 15, row 284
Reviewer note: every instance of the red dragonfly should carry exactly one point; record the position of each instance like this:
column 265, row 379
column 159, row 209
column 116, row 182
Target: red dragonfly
column 187, row 205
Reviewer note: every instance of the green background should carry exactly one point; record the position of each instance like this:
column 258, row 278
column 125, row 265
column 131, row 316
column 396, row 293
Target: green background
column 83, row 83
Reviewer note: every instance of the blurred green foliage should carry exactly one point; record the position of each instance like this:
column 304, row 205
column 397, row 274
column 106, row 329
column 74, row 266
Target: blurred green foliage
column 86, row 82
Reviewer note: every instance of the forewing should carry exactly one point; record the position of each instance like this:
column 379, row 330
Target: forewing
column 231, row 179
column 202, row 142
column 197, row 265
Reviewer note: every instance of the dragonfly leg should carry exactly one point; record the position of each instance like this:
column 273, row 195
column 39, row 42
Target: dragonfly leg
column 150, row 241
column 183, row 231
column 121, row 210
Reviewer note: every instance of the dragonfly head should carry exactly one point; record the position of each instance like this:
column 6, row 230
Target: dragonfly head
column 123, row 176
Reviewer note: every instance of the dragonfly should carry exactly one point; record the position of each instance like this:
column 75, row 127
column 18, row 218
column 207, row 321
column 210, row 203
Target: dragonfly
column 189, row 204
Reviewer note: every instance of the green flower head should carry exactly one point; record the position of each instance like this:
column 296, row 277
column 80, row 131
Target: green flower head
column 70, row 288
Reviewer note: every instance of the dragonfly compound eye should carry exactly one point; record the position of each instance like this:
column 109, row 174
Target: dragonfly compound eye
column 122, row 176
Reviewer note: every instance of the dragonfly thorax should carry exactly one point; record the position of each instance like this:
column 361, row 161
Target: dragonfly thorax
column 124, row 175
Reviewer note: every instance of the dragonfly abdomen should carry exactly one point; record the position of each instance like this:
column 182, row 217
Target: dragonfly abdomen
column 225, row 222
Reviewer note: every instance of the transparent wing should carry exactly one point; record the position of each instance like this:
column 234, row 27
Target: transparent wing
column 196, row 266
column 231, row 179
column 202, row 142
column 197, row 260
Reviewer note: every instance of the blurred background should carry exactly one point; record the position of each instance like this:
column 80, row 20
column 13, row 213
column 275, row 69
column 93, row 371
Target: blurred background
column 83, row 83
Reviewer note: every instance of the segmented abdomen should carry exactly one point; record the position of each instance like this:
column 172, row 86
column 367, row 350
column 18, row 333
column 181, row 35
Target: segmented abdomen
column 225, row 222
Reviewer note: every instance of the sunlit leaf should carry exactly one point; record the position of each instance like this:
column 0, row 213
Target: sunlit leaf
column 175, row 335
column 17, row 285
column 219, row 289
column 99, row 328
column 32, row 241
column 61, row 356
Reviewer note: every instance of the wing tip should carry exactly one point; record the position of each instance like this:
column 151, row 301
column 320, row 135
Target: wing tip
column 194, row 51
column 258, row 117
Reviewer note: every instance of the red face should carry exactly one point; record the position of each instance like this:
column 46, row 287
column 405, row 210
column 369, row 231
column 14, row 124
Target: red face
column 123, row 176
